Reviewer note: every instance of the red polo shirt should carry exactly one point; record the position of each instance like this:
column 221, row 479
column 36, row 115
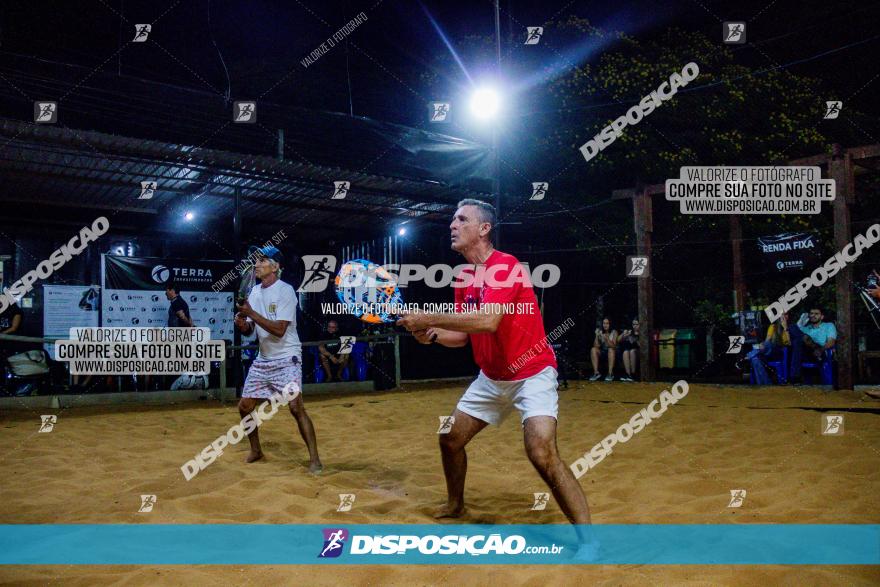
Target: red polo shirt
column 518, row 349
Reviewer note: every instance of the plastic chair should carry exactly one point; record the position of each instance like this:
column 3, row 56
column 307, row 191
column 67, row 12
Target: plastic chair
column 320, row 375
column 26, row 371
column 826, row 367
column 780, row 366
column 359, row 360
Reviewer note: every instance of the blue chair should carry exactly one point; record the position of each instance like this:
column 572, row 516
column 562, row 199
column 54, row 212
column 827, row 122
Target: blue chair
column 359, row 360
column 779, row 365
column 320, row 376
column 826, row 366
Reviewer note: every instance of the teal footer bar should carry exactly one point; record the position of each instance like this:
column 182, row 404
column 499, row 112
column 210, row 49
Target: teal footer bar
column 239, row 544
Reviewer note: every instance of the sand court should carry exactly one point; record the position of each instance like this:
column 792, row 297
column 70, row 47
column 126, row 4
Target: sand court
column 96, row 463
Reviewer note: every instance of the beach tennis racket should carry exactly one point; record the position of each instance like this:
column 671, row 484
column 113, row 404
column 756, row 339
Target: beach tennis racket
column 368, row 291
column 248, row 278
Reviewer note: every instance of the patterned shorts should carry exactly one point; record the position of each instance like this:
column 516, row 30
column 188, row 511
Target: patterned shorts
column 268, row 377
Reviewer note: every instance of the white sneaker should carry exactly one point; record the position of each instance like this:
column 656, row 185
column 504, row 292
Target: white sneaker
column 626, row 378
column 595, row 377
column 609, row 378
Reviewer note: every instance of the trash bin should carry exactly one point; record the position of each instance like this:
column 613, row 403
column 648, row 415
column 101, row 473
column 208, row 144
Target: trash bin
column 685, row 339
column 666, row 344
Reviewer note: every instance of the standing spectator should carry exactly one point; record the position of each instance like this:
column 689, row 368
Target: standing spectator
column 629, row 350
column 329, row 353
column 10, row 323
column 178, row 317
column 178, row 311
column 604, row 345
column 812, row 338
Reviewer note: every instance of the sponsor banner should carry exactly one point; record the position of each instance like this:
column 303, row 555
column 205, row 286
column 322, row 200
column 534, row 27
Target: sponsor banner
column 134, row 293
column 139, row 308
column 438, row 544
column 790, row 250
column 821, row 274
column 152, row 273
column 65, row 307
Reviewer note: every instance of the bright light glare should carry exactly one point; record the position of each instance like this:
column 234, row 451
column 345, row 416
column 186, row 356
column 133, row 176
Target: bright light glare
column 485, row 103
column 189, row 216
column 401, row 231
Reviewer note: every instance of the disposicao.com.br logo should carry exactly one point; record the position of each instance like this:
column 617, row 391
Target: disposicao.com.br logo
column 319, row 274
column 448, row 544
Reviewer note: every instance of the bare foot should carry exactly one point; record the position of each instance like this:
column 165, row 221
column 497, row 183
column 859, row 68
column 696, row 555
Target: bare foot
column 449, row 510
column 254, row 456
column 316, row 468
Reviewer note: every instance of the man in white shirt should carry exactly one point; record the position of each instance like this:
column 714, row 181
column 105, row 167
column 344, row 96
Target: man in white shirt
column 270, row 310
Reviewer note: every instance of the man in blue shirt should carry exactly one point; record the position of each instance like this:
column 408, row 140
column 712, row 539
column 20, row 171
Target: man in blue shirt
column 812, row 339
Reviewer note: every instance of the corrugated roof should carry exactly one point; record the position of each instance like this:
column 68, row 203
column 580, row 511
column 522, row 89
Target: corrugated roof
column 53, row 165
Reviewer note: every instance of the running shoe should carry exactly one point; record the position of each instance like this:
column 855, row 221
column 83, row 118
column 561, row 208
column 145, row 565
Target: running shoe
column 595, row 377
column 609, row 378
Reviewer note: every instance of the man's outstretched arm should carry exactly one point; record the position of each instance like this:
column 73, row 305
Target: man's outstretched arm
column 447, row 338
column 486, row 320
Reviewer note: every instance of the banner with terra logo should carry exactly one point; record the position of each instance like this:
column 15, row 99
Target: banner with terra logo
column 790, row 250
column 133, row 292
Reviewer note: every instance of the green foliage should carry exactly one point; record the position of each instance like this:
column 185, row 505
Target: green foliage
column 711, row 314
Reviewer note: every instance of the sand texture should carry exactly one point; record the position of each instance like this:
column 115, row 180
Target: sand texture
column 95, row 464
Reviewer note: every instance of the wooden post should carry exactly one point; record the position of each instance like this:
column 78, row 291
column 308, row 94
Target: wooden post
column 840, row 169
column 644, row 226
column 739, row 285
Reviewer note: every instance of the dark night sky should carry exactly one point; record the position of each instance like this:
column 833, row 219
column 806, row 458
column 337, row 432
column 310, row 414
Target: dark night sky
column 261, row 41
column 389, row 58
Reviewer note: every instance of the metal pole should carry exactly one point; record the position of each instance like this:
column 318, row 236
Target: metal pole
column 236, row 337
column 496, row 186
column 396, row 360
column 222, row 380
column 498, row 33
column 496, row 169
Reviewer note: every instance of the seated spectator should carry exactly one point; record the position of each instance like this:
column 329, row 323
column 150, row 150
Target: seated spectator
column 10, row 319
column 810, row 339
column 629, row 350
column 10, row 323
column 329, row 353
column 604, row 345
column 778, row 336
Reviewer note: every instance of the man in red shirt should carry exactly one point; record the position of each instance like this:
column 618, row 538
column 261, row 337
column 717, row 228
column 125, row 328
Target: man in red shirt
column 498, row 312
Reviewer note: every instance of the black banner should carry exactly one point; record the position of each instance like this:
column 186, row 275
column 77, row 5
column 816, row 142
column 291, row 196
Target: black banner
column 791, row 250
column 152, row 273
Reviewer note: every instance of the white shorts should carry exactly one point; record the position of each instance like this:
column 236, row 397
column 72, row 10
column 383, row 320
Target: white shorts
column 269, row 377
column 490, row 401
